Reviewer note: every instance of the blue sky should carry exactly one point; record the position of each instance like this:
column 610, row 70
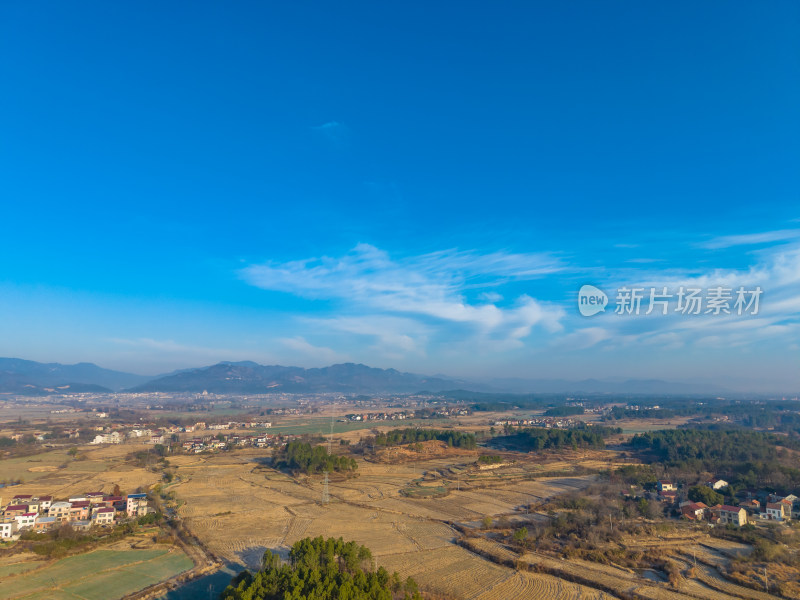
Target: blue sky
column 410, row 185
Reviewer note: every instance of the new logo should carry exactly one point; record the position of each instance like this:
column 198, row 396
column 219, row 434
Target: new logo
column 591, row 300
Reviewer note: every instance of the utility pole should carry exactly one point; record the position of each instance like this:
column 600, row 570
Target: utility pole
column 326, row 497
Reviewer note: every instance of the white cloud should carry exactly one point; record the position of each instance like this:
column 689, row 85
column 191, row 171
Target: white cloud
column 430, row 286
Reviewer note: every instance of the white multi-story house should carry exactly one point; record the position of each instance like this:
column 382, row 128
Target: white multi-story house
column 7, row 529
column 137, row 505
column 26, row 521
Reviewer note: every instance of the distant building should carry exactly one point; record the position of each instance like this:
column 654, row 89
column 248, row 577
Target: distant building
column 60, row 510
column 44, row 523
column 7, row 529
column 26, row 520
column 666, row 486
column 725, row 514
column 716, row 483
column 79, row 511
column 13, row 510
column 136, row 505
column 694, row 511
column 778, row 511
column 104, row 516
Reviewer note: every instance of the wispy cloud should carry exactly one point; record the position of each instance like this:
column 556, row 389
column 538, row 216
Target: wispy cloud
column 430, row 286
column 750, row 239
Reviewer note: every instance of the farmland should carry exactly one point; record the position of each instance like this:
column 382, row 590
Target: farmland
column 98, row 575
column 421, row 508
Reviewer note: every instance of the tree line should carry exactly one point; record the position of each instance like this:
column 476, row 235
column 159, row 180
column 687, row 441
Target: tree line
column 542, row 438
column 744, row 458
column 454, row 439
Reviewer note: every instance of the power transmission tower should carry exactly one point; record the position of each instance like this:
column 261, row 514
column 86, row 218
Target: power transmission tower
column 326, row 497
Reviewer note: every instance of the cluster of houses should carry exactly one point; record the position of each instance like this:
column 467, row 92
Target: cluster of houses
column 225, row 441
column 546, row 422
column 112, row 435
column 755, row 506
column 42, row 513
column 379, row 416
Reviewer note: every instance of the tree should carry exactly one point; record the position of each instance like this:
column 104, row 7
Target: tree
column 520, row 534
column 270, row 561
column 73, row 452
column 703, row 493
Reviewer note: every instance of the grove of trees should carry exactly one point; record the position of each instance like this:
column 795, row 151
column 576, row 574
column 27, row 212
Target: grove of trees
column 321, row 569
column 302, row 457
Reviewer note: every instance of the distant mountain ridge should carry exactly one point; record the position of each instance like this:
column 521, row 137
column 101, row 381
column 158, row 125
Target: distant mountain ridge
column 246, row 377
column 251, row 378
column 30, row 377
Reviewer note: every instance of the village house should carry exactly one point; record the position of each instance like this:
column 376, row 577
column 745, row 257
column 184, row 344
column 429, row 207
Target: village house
column 716, row 484
column 79, row 511
column 118, row 503
column 104, row 516
column 44, row 503
column 26, row 520
column 14, row 510
column 60, row 510
column 694, row 511
column 777, row 511
column 666, row 486
column 82, row 525
column 137, row 505
column 44, row 523
column 725, row 514
column 752, row 506
column 94, row 497
column 667, row 496
column 107, row 438
column 7, row 529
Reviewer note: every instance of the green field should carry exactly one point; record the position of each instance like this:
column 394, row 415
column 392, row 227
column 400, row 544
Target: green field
column 20, row 567
column 98, row 575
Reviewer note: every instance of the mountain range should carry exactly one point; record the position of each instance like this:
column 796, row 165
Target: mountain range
column 32, row 378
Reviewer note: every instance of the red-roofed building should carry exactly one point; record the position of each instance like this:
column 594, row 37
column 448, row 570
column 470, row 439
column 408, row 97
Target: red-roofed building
column 95, row 497
column 778, row 511
column 694, row 511
column 79, row 511
column 116, row 502
column 736, row 515
column 104, row 516
column 667, row 496
column 12, row 510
